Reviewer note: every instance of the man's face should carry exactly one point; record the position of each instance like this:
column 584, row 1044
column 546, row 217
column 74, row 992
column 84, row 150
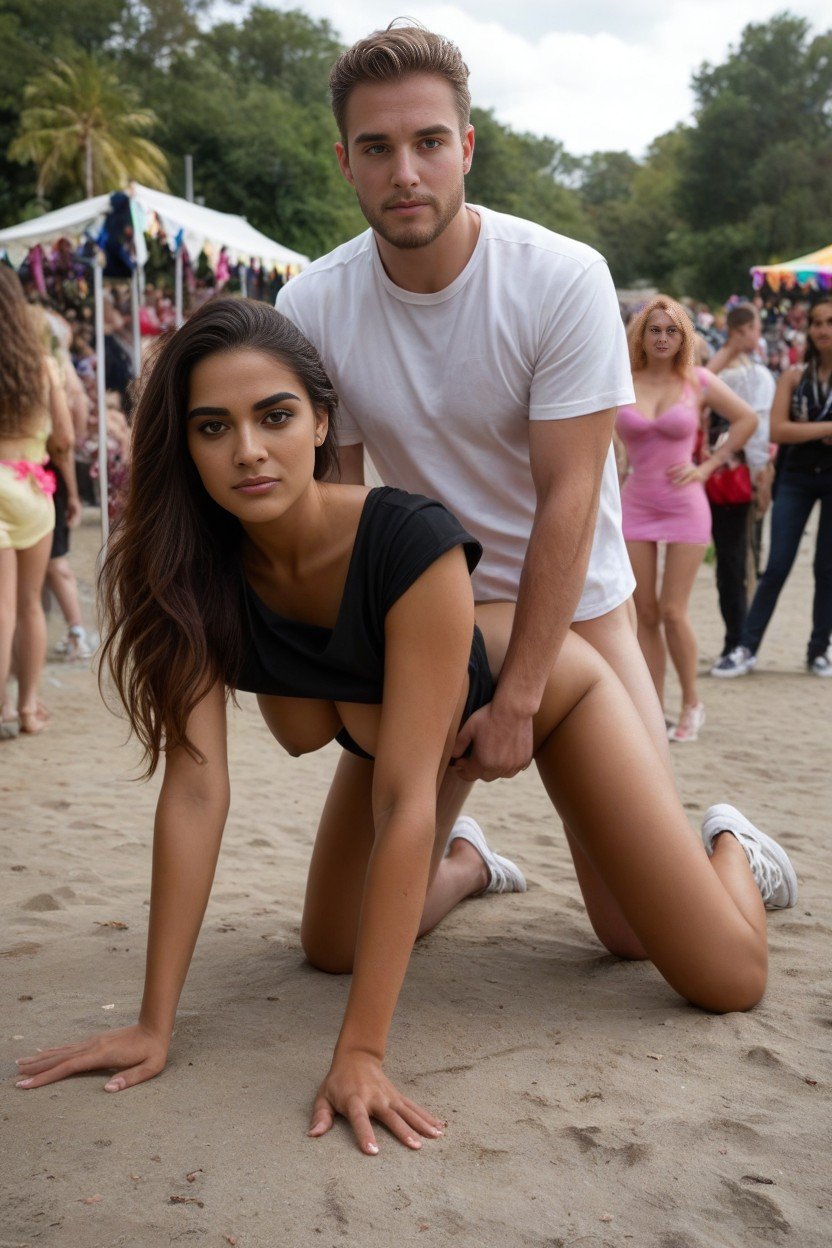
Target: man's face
column 406, row 158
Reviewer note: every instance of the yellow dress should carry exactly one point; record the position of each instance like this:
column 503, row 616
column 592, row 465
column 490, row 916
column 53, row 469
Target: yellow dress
column 27, row 512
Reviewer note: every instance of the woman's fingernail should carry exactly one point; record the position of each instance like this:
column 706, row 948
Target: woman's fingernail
column 24, row 1083
column 115, row 1085
column 372, row 1148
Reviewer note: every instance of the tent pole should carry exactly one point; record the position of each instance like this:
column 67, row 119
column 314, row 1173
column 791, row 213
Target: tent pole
column 137, row 332
column 101, row 391
column 178, row 288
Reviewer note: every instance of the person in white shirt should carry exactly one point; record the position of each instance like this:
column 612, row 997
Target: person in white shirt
column 739, row 364
column 480, row 360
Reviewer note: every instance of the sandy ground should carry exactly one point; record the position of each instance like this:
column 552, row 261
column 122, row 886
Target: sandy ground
column 587, row 1104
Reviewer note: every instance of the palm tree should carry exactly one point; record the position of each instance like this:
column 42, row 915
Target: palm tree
column 83, row 128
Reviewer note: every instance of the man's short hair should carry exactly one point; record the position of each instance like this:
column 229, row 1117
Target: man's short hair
column 740, row 315
column 393, row 54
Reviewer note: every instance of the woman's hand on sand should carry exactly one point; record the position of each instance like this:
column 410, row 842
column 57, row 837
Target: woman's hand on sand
column 357, row 1087
column 134, row 1052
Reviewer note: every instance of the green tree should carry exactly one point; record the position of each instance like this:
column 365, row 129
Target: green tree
column 526, row 176
column 284, row 49
column 83, row 129
column 756, row 181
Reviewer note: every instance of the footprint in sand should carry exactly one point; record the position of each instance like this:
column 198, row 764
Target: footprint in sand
column 761, row 1210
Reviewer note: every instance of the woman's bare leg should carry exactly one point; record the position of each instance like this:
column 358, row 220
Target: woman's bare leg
column 644, row 558
column 62, row 582
column 682, row 563
column 30, row 645
column 700, row 920
column 8, row 614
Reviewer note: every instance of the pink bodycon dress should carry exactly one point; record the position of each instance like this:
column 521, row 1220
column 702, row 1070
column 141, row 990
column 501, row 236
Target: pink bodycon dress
column 653, row 508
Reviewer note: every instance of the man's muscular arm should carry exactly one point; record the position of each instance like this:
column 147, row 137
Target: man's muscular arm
column 567, row 461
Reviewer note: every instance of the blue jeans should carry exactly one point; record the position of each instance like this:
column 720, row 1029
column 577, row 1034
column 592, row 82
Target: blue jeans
column 797, row 493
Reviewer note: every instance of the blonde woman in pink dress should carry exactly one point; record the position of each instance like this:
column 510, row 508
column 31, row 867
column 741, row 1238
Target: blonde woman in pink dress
column 663, row 495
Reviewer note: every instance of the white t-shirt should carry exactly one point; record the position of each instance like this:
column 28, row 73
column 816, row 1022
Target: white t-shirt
column 751, row 380
column 440, row 387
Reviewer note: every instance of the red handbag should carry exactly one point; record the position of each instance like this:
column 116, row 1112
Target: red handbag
column 729, row 486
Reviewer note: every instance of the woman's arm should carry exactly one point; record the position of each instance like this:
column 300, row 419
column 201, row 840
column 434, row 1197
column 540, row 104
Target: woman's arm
column 786, row 431
column 428, row 635
column 61, row 444
column 742, row 420
column 190, row 816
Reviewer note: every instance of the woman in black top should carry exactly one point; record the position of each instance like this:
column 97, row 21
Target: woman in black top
column 237, row 563
column 801, row 420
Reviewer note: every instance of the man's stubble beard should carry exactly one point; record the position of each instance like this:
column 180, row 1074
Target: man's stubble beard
column 410, row 241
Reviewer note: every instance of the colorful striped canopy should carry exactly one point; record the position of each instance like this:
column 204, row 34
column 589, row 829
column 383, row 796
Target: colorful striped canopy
column 812, row 270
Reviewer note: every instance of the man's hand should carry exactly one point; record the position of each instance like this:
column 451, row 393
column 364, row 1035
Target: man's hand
column 501, row 744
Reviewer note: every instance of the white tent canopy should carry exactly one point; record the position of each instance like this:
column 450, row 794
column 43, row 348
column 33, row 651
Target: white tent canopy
column 192, row 224
column 184, row 223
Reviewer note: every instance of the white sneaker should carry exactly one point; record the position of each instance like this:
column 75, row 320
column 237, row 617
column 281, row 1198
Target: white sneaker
column 76, row 645
column 821, row 665
column 504, row 875
column 773, row 872
column 738, row 663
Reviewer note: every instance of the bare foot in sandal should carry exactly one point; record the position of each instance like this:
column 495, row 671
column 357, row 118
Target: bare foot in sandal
column 32, row 721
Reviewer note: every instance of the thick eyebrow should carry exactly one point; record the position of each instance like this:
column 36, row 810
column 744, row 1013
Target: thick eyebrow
column 274, row 398
column 424, row 133
column 257, row 407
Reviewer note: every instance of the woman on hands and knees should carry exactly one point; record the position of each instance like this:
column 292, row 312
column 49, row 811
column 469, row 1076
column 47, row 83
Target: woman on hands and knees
column 237, row 564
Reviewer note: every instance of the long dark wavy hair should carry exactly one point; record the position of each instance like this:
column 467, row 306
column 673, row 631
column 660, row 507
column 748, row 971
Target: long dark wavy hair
column 21, row 356
column 170, row 583
column 811, row 355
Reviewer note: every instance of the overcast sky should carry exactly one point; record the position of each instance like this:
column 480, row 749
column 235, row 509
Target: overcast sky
column 596, row 74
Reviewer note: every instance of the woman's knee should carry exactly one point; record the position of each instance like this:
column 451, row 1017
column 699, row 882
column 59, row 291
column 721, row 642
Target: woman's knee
column 673, row 614
column 321, row 952
column 647, row 614
column 733, row 987
column 29, row 606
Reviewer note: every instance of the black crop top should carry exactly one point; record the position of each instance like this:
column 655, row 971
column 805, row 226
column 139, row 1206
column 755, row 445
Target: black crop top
column 399, row 535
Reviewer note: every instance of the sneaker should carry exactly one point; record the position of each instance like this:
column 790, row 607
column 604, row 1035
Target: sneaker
column 738, row 663
column 773, row 872
column 820, row 665
column 504, row 875
column 76, row 645
column 690, row 722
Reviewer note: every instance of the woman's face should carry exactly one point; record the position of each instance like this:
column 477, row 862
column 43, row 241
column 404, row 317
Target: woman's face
column 662, row 336
column 252, row 433
column 820, row 326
